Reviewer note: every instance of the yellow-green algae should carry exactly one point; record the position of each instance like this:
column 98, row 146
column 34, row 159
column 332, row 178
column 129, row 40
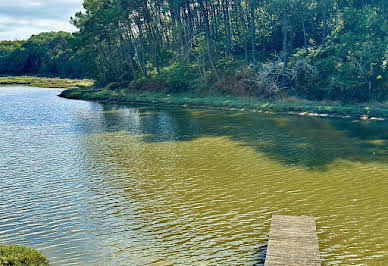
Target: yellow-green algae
column 216, row 187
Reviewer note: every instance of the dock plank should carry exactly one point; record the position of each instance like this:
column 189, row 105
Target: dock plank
column 293, row 241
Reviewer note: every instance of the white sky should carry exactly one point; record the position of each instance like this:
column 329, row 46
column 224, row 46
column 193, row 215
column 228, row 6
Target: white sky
column 19, row 19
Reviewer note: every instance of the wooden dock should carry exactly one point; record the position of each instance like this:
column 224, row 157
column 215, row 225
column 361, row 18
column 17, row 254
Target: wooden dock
column 292, row 241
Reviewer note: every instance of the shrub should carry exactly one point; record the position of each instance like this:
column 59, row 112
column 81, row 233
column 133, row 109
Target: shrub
column 178, row 77
column 147, row 84
column 20, row 255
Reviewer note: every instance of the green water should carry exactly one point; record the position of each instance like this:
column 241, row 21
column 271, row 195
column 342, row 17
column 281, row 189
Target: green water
column 91, row 183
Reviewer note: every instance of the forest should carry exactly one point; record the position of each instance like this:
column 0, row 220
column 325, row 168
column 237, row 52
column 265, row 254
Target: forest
column 51, row 54
column 314, row 49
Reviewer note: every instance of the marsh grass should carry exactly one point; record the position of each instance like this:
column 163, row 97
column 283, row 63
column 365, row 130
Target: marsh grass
column 45, row 82
column 21, row 255
column 292, row 105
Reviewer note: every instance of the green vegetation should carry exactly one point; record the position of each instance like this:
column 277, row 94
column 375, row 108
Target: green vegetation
column 11, row 255
column 49, row 54
column 45, row 82
column 317, row 50
column 326, row 49
column 288, row 105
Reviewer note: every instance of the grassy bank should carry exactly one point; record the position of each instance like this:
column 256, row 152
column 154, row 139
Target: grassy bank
column 21, row 255
column 44, row 82
column 294, row 106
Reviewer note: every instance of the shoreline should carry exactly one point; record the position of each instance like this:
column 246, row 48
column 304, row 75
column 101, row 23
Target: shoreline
column 302, row 108
column 83, row 90
column 44, row 82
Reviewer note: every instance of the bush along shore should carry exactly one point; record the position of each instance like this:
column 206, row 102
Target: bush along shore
column 185, row 99
column 21, row 255
column 45, row 82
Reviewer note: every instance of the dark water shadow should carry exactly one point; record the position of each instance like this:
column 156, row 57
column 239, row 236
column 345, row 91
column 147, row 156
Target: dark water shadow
column 310, row 142
column 260, row 254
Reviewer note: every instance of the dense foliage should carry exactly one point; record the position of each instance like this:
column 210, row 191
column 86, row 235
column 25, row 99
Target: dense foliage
column 15, row 255
column 316, row 49
column 48, row 54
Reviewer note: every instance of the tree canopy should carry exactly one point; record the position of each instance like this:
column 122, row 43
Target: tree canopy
column 49, row 54
column 317, row 49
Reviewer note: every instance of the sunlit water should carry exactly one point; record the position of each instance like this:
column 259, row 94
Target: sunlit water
column 90, row 183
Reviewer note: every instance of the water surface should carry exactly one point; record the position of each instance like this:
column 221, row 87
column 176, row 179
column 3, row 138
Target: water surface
column 91, row 183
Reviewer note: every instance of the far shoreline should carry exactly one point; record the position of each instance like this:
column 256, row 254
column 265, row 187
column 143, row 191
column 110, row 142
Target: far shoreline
column 44, row 82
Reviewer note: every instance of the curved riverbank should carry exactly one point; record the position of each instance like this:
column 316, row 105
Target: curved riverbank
column 291, row 106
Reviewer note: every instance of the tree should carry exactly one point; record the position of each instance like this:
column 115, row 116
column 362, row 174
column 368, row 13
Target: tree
column 213, row 45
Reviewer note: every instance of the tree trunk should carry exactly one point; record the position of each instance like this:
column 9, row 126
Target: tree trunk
column 114, row 64
column 242, row 33
column 130, row 48
column 154, row 44
column 285, row 55
column 227, row 28
column 125, row 53
column 305, row 37
column 324, row 26
column 141, row 55
column 313, row 28
column 207, row 30
column 253, row 7
column 369, row 89
column 215, row 21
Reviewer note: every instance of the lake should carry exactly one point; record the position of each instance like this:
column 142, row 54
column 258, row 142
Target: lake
column 91, row 183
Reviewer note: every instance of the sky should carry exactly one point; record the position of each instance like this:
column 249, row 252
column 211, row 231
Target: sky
column 19, row 19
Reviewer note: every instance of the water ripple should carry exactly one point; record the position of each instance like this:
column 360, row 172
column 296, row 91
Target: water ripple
column 114, row 185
